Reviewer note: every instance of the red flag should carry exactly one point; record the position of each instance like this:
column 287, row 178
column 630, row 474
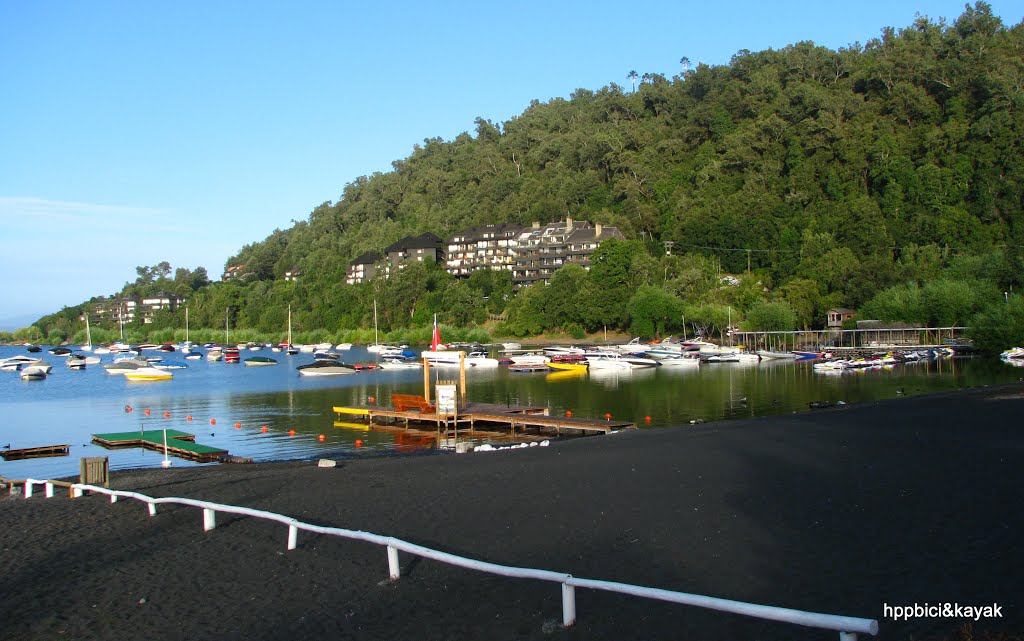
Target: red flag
column 435, row 340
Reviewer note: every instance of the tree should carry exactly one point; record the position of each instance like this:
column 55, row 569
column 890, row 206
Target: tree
column 653, row 311
column 775, row 316
column 632, row 76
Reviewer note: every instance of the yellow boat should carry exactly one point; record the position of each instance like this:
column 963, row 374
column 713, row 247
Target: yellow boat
column 579, row 368
column 147, row 374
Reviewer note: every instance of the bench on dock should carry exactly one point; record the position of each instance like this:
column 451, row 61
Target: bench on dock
column 406, row 402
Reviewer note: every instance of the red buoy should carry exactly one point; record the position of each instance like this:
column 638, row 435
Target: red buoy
column 167, row 415
column 568, row 413
column 147, row 412
column 607, row 416
column 322, row 437
column 189, row 418
column 359, row 442
column 213, row 421
column 647, row 419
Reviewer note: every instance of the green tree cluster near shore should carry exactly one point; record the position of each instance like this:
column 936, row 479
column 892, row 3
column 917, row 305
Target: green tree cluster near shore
column 886, row 177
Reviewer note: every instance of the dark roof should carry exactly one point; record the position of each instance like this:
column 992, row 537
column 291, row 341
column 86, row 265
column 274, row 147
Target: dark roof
column 368, row 258
column 423, row 241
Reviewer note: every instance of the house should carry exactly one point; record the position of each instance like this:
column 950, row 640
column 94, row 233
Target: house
column 364, row 268
column 837, row 315
column 413, row 249
column 232, row 272
column 486, row 247
column 292, row 274
column 540, row 250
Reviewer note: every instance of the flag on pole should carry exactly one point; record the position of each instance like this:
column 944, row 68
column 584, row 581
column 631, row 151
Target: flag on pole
column 435, row 340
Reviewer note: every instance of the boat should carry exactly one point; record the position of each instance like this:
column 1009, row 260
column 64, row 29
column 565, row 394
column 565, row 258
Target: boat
column 214, row 354
column 767, row 353
column 342, row 347
column 325, row 368
column 33, row 349
column 125, row 364
column 259, row 361
column 289, row 348
column 568, row 366
column 231, row 355
column 148, row 374
column 75, row 361
column 16, row 363
column 33, row 373
column 559, row 350
column 192, row 354
column 326, row 356
column 395, row 362
column 616, row 360
column 806, row 356
column 481, row 360
column 680, row 361
column 88, row 335
column 59, row 351
column 632, row 347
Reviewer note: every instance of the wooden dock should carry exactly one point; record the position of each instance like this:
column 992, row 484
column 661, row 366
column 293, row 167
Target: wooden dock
column 506, row 420
column 36, row 452
column 181, row 444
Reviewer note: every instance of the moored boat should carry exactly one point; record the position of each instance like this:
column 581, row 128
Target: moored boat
column 259, row 361
column 148, row 374
column 325, row 368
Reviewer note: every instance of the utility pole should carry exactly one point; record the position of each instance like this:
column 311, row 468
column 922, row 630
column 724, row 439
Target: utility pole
column 668, row 247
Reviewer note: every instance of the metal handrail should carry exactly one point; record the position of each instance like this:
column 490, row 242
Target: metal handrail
column 848, row 627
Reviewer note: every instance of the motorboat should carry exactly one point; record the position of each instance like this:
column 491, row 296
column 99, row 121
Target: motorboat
column 60, row 351
column 326, row 356
column 615, row 360
column 400, row 363
column 481, row 360
column 559, row 350
column 15, row 363
column 33, row 373
column 767, row 353
column 259, row 361
column 148, row 374
column 632, row 347
column 231, row 355
column 343, row 347
column 569, row 366
column 126, row 364
column 33, row 349
column 192, row 354
column 214, row 354
column 75, row 361
column 325, row 368
column 680, row 361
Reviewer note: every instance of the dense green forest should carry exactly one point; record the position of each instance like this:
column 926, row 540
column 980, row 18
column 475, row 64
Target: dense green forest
column 886, row 177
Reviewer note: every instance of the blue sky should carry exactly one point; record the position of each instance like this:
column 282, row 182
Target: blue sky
column 136, row 132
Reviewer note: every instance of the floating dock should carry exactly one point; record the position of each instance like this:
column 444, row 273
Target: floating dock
column 511, row 420
column 36, row 452
column 181, row 444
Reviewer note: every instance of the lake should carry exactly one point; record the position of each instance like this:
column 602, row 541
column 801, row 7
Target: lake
column 71, row 405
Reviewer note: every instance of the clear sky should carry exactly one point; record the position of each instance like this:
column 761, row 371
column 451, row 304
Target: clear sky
column 137, row 132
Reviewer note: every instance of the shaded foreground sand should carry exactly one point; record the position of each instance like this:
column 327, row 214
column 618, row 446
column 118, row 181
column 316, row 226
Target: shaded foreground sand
column 839, row 511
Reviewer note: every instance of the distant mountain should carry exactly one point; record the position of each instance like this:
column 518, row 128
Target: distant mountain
column 12, row 323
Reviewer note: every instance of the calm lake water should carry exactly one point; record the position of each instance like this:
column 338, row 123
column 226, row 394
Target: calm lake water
column 71, row 405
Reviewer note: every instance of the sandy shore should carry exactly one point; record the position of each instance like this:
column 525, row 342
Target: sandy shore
column 840, row 511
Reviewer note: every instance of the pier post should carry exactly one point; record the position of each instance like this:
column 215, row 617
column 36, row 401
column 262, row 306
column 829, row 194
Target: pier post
column 394, row 571
column 569, row 605
column 28, row 489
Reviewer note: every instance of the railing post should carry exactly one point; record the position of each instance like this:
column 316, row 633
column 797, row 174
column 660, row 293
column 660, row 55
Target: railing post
column 152, row 508
column 293, row 537
column 847, row 636
column 76, row 492
column 49, row 490
column 28, row 489
column 568, row 605
column 209, row 519
column 394, row 571
column 113, row 498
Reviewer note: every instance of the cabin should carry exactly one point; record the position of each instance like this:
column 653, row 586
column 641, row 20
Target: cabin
column 837, row 315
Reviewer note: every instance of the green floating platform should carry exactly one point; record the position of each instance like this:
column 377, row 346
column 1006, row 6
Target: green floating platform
column 178, row 443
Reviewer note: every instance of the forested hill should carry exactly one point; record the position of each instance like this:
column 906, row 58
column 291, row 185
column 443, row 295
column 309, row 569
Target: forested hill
column 910, row 140
column 832, row 175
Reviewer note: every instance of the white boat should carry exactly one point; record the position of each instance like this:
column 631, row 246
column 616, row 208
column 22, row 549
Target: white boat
column 680, row 361
column 559, row 350
column 632, row 347
column 325, row 368
column 33, row 373
column 259, row 361
column 528, row 359
column 88, row 335
column 400, row 363
column 15, row 363
column 214, row 355
column 125, row 364
column 767, row 353
column 342, row 347
column 148, row 374
column 615, row 360
column 443, row 358
column 481, row 360
column 76, row 361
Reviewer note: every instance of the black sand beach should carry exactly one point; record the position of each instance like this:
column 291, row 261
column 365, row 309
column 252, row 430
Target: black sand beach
column 915, row 500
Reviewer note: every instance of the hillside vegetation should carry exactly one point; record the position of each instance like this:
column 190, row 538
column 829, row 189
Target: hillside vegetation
column 887, row 177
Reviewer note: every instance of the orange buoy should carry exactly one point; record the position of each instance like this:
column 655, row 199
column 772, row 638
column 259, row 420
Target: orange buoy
column 372, row 399
column 322, row 437
column 213, row 421
column 147, row 412
column 238, row 426
column 359, row 442
column 128, row 408
column 264, row 428
column 167, row 415
column 189, row 418
column 291, row 432
column 568, row 413
column 607, row 416
column 647, row 419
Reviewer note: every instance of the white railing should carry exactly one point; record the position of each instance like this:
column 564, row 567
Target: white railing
column 848, row 627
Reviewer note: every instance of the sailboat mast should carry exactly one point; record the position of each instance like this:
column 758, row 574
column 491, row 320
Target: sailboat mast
column 186, row 325
column 289, row 325
column 226, row 309
column 375, row 339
